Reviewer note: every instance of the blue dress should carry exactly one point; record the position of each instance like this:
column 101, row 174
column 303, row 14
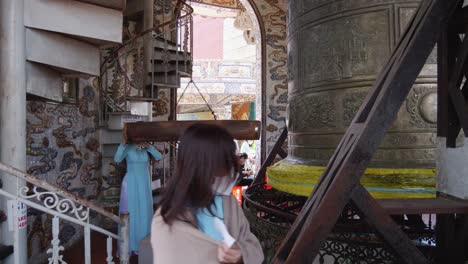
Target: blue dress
column 138, row 190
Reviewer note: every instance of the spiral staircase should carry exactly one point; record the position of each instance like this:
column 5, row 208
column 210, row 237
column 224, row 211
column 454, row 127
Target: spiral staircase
column 169, row 58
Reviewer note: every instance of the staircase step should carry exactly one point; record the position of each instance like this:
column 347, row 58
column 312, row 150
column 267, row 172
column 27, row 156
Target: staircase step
column 67, row 17
column 181, row 66
column 164, row 86
column 173, row 64
column 170, row 50
column 161, row 69
column 114, row 4
column 71, row 56
column 171, row 57
column 170, row 68
column 161, row 79
column 144, row 98
column 163, row 40
column 43, row 81
column 161, row 45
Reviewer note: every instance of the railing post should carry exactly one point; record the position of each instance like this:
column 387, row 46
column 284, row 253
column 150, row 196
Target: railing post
column 109, row 259
column 87, row 240
column 124, row 239
column 55, row 250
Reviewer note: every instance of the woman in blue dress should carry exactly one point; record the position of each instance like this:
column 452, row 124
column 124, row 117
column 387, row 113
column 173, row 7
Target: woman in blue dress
column 136, row 197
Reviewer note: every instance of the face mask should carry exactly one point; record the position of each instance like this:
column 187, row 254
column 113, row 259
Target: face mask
column 224, row 185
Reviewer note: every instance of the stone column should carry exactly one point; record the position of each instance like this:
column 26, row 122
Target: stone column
column 335, row 52
column 12, row 108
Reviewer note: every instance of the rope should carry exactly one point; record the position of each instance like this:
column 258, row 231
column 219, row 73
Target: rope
column 201, row 95
column 183, row 92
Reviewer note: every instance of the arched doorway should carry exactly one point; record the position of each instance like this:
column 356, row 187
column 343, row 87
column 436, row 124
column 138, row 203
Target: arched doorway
column 228, row 65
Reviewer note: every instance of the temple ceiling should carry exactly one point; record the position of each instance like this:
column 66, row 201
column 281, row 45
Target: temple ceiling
column 234, row 4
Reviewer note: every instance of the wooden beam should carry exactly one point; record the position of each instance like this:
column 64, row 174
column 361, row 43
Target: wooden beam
column 277, row 148
column 445, row 232
column 364, row 135
column 282, row 153
column 456, row 96
column 173, row 130
column 452, row 106
column 443, row 71
column 439, row 205
column 376, row 216
column 460, row 20
column 453, row 122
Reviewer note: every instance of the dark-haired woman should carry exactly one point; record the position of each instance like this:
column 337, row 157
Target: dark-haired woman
column 198, row 220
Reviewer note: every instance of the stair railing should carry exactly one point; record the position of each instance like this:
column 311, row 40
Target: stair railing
column 63, row 206
column 123, row 77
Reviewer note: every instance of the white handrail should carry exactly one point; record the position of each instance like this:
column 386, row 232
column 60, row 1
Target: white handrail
column 63, row 205
column 57, row 190
column 55, row 213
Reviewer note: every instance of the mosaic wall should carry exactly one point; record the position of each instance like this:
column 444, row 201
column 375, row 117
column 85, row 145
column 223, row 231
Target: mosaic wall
column 62, row 148
column 273, row 18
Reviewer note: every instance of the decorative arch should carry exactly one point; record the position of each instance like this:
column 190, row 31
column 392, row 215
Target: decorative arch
column 259, row 33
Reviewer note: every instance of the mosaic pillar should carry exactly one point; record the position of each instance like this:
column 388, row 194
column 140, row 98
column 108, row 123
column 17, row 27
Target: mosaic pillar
column 335, row 51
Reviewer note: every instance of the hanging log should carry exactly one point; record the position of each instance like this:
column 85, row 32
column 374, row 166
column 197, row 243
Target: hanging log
column 173, row 130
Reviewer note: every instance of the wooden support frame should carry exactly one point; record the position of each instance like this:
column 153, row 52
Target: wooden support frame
column 276, row 150
column 452, row 68
column 340, row 183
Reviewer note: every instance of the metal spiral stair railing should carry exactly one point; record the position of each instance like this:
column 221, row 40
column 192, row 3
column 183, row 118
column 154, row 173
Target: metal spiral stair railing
column 121, row 82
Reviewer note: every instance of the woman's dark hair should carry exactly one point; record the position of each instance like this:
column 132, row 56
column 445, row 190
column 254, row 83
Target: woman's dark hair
column 243, row 156
column 204, row 152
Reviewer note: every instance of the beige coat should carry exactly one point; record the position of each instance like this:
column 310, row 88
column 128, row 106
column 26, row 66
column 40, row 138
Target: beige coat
column 183, row 243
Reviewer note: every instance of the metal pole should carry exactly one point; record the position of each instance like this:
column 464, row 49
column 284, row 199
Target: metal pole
column 147, row 41
column 12, row 110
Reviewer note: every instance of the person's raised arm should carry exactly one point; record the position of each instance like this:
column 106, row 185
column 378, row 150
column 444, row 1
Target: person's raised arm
column 121, row 153
column 154, row 152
